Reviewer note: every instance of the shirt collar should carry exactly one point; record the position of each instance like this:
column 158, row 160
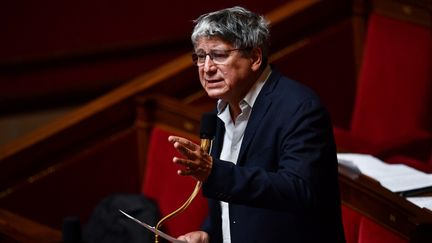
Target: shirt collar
column 252, row 95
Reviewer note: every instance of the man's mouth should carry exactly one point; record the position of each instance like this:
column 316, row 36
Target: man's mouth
column 213, row 80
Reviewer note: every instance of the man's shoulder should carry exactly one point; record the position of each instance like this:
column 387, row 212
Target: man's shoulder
column 284, row 87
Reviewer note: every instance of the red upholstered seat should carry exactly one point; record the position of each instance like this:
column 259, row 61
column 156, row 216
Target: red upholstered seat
column 361, row 229
column 392, row 108
column 351, row 222
column 169, row 190
column 371, row 232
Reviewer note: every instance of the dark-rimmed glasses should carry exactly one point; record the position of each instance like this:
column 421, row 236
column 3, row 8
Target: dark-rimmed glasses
column 217, row 56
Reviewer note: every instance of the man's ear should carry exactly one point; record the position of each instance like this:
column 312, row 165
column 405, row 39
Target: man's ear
column 256, row 58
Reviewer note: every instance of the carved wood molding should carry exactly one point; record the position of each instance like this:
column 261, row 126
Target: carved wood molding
column 415, row 11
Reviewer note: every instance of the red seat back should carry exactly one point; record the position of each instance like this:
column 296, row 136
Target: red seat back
column 395, row 84
column 169, row 190
column 361, row 229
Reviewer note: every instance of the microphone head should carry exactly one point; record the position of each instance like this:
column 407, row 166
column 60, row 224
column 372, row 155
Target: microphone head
column 208, row 125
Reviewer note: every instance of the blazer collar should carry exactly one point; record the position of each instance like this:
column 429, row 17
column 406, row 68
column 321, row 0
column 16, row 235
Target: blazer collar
column 262, row 105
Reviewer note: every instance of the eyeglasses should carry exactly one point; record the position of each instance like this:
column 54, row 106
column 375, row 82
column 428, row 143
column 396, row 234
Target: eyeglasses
column 217, row 56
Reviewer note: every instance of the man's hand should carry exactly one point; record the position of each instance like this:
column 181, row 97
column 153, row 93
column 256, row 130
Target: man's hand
column 195, row 237
column 197, row 162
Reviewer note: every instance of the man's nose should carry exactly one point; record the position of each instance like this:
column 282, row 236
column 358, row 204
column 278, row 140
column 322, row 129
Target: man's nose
column 208, row 64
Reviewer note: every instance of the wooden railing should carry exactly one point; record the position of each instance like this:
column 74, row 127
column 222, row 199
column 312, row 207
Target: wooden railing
column 14, row 228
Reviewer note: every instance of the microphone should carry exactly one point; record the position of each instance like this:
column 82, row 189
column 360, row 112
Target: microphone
column 207, row 130
column 207, row 133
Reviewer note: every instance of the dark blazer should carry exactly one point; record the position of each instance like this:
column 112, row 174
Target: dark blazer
column 284, row 187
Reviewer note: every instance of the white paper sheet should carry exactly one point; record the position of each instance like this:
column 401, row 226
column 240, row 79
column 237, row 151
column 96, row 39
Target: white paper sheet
column 394, row 177
column 423, row 202
column 152, row 229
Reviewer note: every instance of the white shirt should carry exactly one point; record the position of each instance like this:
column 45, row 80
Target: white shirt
column 233, row 137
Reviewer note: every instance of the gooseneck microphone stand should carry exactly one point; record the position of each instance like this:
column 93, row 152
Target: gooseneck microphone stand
column 207, row 133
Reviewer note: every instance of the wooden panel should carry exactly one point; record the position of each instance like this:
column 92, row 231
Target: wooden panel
column 70, row 172
column 77, row 181
column 14, row 228
column 55, row 142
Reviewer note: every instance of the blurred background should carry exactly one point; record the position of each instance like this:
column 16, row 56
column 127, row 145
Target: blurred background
column 85, row 84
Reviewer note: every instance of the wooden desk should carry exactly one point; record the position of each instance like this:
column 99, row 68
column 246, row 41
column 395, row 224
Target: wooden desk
column 388, row 209
column 14, row 228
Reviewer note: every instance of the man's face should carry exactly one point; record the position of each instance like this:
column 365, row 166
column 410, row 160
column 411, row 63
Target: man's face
column 227, row 77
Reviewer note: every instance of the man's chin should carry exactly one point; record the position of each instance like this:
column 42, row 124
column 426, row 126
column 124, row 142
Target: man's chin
column 214, row 95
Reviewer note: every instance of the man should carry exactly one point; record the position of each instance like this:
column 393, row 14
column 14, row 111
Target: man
column 272, row 173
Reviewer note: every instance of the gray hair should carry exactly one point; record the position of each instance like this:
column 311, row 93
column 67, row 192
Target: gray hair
column 237, row 25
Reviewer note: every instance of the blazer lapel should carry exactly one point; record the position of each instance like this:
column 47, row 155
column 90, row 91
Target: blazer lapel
column 259, row 111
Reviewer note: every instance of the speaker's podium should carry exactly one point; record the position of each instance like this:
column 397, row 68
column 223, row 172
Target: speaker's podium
column 386, row 209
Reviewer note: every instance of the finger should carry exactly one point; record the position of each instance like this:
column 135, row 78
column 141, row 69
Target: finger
column 186, row 152
column 183, row 141
column 200, row 176
column 185, row 172
column 189, row 164
column 181, row 237
column 173, row 139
